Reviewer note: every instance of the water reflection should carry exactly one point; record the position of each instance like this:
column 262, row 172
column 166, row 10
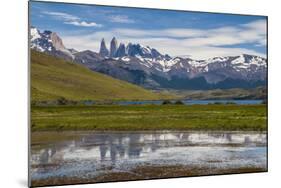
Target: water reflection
column 92, row 153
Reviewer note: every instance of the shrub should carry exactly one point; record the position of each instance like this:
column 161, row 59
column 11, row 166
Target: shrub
column 33, row 103
column 264, row 101
column 230, row 102
column 62, row 101
column 179, row 102
column 217, row 103
column 33, row 125
column 166, row 102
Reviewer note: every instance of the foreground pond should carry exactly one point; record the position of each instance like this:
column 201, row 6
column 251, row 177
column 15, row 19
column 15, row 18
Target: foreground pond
column 97, row 156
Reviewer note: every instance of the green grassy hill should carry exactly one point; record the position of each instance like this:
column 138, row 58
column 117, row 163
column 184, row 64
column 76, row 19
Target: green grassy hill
column 52, row 78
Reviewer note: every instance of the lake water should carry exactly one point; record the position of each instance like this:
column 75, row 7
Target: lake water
column 91, row 155
column 191, row 102
column 186, row 102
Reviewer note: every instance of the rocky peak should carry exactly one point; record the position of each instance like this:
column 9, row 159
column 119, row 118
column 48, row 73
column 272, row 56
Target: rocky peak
column 134, row 49
column 144, row 51
column 113, row 47
column 121, row 51
column 57, row 42
column 103, row 49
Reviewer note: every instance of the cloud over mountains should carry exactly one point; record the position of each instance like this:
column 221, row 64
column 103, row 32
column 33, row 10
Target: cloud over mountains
column 199, row 43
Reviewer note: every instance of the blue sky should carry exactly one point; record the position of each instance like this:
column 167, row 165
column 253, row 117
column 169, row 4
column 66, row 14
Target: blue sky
column 177, row 33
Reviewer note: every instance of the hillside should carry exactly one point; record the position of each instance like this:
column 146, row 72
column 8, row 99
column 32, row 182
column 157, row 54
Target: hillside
column 52, row 78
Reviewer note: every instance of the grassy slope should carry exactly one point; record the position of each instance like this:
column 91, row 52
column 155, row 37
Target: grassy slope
column 52, row 78
column 150, row 117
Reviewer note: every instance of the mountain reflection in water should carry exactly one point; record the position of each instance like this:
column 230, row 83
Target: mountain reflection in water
column 97, row 153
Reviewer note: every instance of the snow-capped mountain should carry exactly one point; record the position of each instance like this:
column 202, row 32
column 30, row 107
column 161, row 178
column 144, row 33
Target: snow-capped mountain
column 49, row 42
column 246, row 67
column 151, row 58
column 213, row 70
column 149, row 68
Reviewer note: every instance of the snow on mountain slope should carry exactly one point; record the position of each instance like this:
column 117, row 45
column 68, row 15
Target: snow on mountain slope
column 34, row 33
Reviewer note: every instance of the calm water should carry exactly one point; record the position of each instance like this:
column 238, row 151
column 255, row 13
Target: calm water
column 191, row 102
column 95, row 154
column 186, row 102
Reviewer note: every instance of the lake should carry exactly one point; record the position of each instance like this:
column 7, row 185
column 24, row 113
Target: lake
column 191, row 102
column 111, row 156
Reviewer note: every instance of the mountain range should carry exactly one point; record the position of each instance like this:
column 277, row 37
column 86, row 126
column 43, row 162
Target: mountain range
column 147, row 67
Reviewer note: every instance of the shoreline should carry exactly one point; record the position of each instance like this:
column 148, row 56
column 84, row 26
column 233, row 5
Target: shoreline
column 41, row 137
column 147, row 172
column 147, row 131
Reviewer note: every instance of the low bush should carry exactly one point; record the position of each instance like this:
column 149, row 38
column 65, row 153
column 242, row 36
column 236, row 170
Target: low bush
column 179, row 102
column 229, row 102
column 218, row 103
column 264, row 101
column 166, row 102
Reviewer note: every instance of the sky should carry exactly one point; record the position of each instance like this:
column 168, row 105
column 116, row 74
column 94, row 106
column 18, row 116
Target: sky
column 177, row 33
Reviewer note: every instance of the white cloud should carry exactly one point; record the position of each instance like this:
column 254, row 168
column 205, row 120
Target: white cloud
column 121, row 19
column 71, row 19
column 260, row 25
column 198, row 43
column 84, row 24
column 172, row 32
column 61, row 15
